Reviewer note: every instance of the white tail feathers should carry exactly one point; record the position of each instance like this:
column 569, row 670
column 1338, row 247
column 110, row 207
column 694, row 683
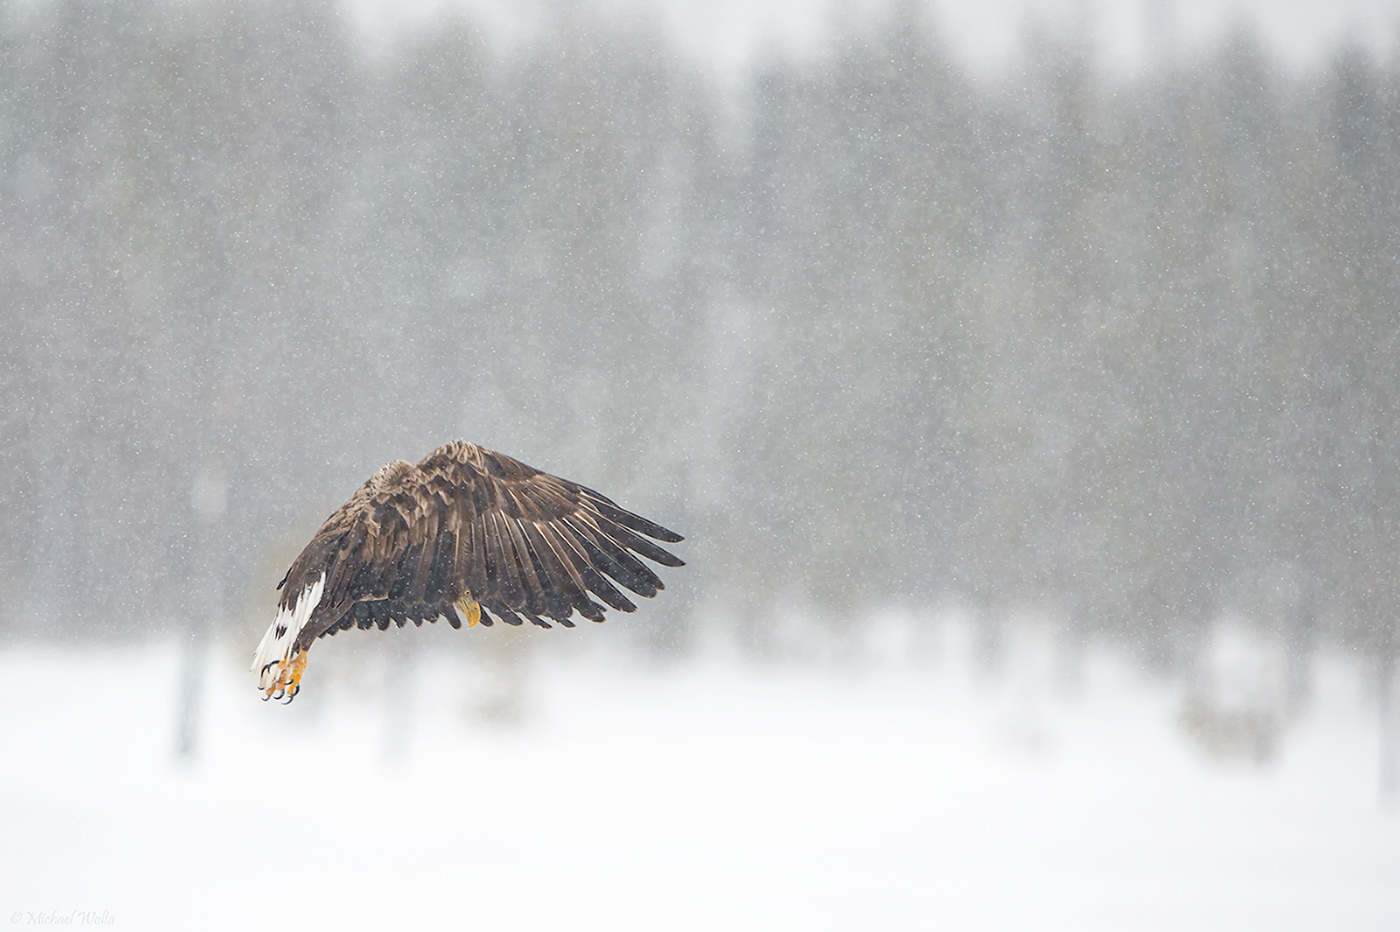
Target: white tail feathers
column 276, row 646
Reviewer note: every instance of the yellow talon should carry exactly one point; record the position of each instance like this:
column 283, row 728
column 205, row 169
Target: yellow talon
column 288, row 681
column 470, row 610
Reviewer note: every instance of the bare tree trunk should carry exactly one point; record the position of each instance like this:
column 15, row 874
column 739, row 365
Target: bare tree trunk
column 207, row 498
column 193, row 663
column 400, row 687
column 1389, row 700
column 1301, row 642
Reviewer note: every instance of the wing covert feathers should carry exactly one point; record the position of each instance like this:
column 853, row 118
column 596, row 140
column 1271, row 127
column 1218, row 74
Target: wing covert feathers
column 466, row 526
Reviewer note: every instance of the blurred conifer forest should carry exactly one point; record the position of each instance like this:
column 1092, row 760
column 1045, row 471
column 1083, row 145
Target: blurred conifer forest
column 871, row 332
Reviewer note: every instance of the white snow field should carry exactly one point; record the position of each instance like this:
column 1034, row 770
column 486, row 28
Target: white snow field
column 707, row 793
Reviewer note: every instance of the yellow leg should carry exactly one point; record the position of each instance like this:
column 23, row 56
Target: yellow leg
column 288, row 682
column 294, row 674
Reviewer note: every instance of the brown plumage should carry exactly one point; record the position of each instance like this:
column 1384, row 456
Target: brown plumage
column 466, row 534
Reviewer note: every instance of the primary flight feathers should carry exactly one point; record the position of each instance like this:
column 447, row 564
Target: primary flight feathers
column 466, row 534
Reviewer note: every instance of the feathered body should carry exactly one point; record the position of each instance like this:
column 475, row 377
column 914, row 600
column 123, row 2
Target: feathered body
column 466, row 534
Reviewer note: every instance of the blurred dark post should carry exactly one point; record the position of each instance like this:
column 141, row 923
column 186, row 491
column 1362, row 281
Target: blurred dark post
column 208, row 501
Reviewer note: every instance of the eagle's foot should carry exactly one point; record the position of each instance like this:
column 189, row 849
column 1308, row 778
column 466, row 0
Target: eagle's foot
column 286, row 675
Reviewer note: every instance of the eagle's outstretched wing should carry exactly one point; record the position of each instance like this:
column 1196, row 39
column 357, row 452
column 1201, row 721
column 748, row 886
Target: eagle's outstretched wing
column 465, row 534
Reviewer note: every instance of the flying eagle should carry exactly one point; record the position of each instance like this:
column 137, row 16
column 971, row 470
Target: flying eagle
column 466, row 534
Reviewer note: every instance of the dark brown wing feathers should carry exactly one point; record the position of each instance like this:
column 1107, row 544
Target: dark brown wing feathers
column 527, row 545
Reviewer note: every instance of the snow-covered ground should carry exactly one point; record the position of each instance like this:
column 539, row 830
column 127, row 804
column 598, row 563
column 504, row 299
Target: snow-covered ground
column 593, row 789
column 730, row 35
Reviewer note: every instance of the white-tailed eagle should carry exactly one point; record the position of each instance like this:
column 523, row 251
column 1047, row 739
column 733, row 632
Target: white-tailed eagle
column 466, row 534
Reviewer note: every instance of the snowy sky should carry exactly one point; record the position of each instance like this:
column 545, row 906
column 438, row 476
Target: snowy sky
column 730, row 33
